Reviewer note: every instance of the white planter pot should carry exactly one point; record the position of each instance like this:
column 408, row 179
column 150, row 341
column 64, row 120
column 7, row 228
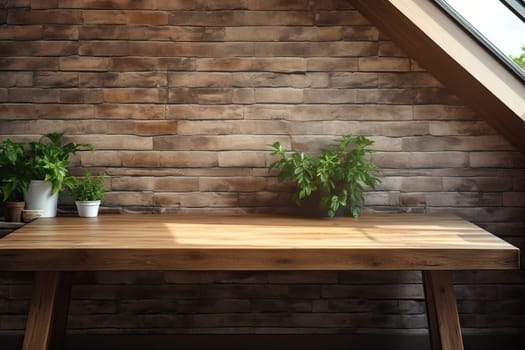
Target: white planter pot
column 39, row 196
column 87, row 209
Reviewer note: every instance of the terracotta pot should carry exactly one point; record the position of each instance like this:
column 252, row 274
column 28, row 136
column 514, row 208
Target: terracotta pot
column 13, row 211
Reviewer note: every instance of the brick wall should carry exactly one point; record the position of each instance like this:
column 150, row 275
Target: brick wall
column 182, row 99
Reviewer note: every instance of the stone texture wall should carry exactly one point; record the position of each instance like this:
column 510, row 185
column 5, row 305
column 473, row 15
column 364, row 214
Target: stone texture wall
column 183, row 98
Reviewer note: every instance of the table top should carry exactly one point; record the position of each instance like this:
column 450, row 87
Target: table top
column 254, row 242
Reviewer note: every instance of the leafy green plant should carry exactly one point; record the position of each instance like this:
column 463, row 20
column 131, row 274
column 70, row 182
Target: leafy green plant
column 339, row 174
column 49, row 159
column 88, row 188
column 520, row 60
column 14, row 179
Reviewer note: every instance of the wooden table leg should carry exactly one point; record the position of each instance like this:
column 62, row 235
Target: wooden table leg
column 442, row 311
column 48, row 311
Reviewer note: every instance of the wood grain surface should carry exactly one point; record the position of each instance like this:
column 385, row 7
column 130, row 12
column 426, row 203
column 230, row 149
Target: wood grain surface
column 252, row 242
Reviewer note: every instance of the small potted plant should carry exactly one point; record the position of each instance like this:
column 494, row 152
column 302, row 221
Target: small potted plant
column 13, row 179
column 88, row 191
column 48, row 164
column 339, row 175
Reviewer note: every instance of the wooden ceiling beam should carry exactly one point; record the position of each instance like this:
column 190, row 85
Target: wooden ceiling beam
column 439, row 45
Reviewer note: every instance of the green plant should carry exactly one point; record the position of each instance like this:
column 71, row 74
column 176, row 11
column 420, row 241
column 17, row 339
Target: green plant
column 520, row 60
column 340, row 173
column 88, row 188
column 49, row 159
column 14, row 179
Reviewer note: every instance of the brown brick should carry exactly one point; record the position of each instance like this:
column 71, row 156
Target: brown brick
column 218, row 143
column 264, row 199
column 329, row 96
column 43, row 4
column 111, row 4
column 406, row 291
column 353, row 80
column 20, row 79
column 386, row 96
column 125, row 17
column 26, row 16
column 238, row 18
column 81, row 96
column 149, row 63
column 128, row 198
column 83, row 127
column 331, row 64
column 402, row 160
column 196, row 199
column 231, row 184
column 473, row 128
column 80, row 63
column 329, row 33
column 29, row 63
column 335, row 48
column 455, row 143
column 243, row 96
column 413, row 184
column 26, row 32
column 115, row 142
column 256, row 79
column 415, row 66
column 279, row 95
column 514, row 199
column 188, row 159
column 167, row 49
column 478, row 183
column 384, row 64
column 33, row 95
column 276, row 5
column 105, row 48
column 204, row 112
column 322, row 112
column 162, row 184
column 242, row 159
column 390, row 49
column 56, row 79
column 416, row 79
column 268, row 33
column 211, row 96
column 47, row 111
column 368, row 33
column 232, row 127
column 440, row 111
column 382, row 198
column 286, row 64
column 123, row 79
column 39, row 48
column 60, row 32
column 101, row 159
column 463, row 199
column 134, row 95
column 340, row 17
column 200, row 79
column 497, row 159
column 130, row 111
column 141, row 32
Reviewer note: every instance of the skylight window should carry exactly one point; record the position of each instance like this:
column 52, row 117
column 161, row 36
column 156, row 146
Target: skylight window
column 498, row 24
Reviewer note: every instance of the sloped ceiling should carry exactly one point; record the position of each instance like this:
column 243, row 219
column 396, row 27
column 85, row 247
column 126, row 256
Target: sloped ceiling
column 457, row 60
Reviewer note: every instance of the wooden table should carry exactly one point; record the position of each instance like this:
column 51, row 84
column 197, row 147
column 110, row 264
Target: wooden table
column 435, row 244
